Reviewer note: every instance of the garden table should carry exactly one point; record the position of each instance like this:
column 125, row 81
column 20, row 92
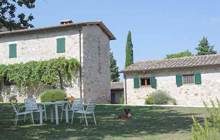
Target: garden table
column 56, row 110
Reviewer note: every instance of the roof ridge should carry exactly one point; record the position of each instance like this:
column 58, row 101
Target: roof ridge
column 186, row 57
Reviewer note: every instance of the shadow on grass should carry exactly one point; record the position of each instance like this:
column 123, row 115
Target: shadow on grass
column 145, row 121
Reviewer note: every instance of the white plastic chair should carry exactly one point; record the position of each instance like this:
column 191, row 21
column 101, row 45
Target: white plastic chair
column 76, row 106
column 89, row 110
column 77, row 101
column 17, row 113
column 31, row 105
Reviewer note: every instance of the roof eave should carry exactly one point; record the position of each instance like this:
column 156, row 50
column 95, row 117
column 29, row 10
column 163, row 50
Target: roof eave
column 99, row 23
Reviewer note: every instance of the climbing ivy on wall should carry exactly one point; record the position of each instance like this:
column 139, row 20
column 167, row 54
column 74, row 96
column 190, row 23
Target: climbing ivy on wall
column 38, row 73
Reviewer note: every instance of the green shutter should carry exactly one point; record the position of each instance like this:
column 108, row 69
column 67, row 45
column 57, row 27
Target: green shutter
column 153, row 81
column 136, row 82
column 198, row 78
column 12, row 50
column 61, row 45
column 178, row 79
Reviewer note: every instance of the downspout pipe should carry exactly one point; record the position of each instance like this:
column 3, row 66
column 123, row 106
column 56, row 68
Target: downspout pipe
column 125, row 90
column 80, row 60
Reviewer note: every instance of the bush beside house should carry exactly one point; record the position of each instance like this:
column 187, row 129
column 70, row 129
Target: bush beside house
column 159, row 97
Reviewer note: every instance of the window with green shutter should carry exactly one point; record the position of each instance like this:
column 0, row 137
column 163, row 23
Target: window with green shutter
column 153, row 81
column 198, row 78
column 136, row 82
column 178, row 79
column 60, row 45
column 12, row 50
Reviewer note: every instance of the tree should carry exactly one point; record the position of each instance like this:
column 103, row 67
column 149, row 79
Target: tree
column 113, row 69
column 204, row 48
column 181, row 54
column 8, row 17
column 129, row 51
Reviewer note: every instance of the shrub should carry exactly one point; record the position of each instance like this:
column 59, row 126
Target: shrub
column 122, row 99
column 148, row 100
column 209, row 130
column 53, row 95
column 172, row 100
column 159, row 97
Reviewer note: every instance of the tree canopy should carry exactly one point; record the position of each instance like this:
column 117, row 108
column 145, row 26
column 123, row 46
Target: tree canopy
column 204, row 48
column 181, row 54
column 113, row 69
column 12, row 20
column 129, row 51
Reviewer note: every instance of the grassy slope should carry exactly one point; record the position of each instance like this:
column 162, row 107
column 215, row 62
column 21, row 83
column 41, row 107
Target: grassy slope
column 147, row 123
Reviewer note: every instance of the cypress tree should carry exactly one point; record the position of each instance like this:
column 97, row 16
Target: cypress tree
column 129, row 51
column 114, row 69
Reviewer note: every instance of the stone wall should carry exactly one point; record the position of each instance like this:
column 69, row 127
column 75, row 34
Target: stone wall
column 40, row 45
column 187, row 94
column 96, row 64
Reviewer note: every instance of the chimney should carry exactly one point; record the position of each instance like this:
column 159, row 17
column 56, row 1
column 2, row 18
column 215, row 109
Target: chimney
column 68, row 21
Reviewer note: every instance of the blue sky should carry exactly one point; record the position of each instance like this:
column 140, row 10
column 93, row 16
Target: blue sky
column 158, row 27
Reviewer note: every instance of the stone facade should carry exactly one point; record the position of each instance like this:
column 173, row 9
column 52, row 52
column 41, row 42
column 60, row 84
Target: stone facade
column 41, row 45
column 187, row 94
column 96, row 64
column 118, row 95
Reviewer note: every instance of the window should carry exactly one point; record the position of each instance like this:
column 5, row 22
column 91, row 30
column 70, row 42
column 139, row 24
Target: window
column 188, row 78
column 61, row 45
column 12, row 50
column 145, row 82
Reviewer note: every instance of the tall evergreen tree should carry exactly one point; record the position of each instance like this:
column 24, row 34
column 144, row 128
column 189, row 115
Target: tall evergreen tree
column 129, row 51
column 204, row 48
column 113, row 69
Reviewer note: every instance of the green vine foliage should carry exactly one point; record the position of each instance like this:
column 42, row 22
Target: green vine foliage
column 41, row 72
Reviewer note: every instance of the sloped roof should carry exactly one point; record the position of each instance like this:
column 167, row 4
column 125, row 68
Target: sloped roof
column 117, row 85
column 98, row 23
column 174, row 63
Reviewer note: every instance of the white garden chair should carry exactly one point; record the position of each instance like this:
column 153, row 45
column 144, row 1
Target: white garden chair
column 31, row 105
column 17, row 113
column 89, row 110
column 77, row 104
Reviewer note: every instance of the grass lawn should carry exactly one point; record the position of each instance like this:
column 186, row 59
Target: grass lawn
column 151, row 123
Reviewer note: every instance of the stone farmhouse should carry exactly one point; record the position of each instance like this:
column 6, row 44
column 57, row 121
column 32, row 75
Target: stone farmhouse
column 88, row 42
column 189, row 80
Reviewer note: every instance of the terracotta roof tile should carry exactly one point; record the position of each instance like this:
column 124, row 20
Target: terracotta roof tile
column 184, row 62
